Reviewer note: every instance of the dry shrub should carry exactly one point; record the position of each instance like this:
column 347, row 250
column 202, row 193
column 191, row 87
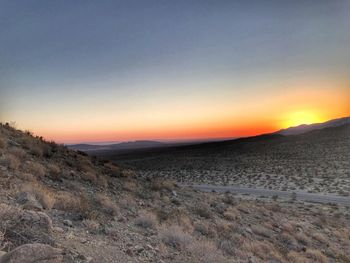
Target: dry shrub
column 107, row 204
column 42, row 194
column 102, row 181
column 302, row 238
column 205, row 252
column 316, row 256
column 147, row 221
column 175, row 237
column 203, row 211
column 11, row 161
column 20, row 227
column 90, row 177
column 204, row 229
column 3, row 142
column 54, row 171
column 128, row 173
column 261, row 249
column 37, row 150
column 295, row 257
column 113, row 170
column 26, row 177
column 18, row 152
column 261, row 230
column 158, row 185
column 91, row 225
column 85, row 165
column 69, row 202
column 36, row 169
column 66, row 201
column 130, row 185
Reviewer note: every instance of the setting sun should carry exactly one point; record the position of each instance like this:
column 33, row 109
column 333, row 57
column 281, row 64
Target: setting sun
column 302, row 117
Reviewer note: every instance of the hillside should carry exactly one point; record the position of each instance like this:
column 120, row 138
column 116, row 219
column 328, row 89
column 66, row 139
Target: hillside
column 57, row 205
column 317, row 161
column 316, row 126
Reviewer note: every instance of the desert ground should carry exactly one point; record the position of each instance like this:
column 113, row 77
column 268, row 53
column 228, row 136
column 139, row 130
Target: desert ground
column 58, row 205
column 314, row 162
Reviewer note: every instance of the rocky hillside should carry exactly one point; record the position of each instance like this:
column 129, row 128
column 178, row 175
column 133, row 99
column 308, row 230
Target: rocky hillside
column 58, row 205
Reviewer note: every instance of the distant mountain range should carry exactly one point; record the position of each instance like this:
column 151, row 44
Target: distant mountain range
column 117, row 146
column 316, row 126
column 147, row 144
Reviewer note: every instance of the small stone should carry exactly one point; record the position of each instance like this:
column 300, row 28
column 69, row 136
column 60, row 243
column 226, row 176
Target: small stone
column 68, row 223
column 129, row 252
column 58, row 229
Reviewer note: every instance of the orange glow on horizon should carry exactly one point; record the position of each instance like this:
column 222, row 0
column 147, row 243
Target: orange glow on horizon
column 188, row 119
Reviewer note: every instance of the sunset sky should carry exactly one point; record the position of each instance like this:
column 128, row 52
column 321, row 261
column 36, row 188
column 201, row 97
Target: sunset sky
column 89, row 71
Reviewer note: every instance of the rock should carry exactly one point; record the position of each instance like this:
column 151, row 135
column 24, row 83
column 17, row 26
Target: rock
column 37, row 220
column 67, row 222
column 58, row 229
column 29, row 201
column 33, row 253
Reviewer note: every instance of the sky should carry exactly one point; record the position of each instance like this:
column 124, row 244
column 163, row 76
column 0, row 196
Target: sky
column 90, row 71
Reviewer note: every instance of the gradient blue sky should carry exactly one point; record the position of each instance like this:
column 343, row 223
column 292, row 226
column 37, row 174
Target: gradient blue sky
column 116, row 70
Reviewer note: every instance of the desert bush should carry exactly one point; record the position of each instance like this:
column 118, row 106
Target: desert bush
column 175, row 237
column 158, row 185
column 11, row 161
column 107, row 205
column 227, row 246
column 113, row 170
column 147, row 221
column 18, row 152
column 37, row 150
column 42, row 194
column 91, row 225
column 203, row 211
column 2, row 142
column 54, row 171
column 20, row 227
column 36, row 169
column 66, row 201
column 204, row 229
column 229, row 199
column 295, row 257
column 205, row 252
column 102, row 181
column 261, row 230
column 128, row 173
column 130, row 185
column 90, row 177
column 27, row 177
column 316, row 256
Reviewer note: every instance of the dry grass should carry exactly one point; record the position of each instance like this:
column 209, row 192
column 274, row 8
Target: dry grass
column 205, row 252
column 11, row 161
column 42, row 194
column 130, row 185
column 91, row 225
column 203, row 211
column 3, row 142
column 20, row 227
column 18, row 152
column 54, row 170
column 158, row 185
column 316, row 256
column 107, row 205
column 36, row 169
column 175, row 237
column 147, row 221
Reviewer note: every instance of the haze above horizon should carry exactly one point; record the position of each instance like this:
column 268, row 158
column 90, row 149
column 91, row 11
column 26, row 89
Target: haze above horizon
column 93, row 71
